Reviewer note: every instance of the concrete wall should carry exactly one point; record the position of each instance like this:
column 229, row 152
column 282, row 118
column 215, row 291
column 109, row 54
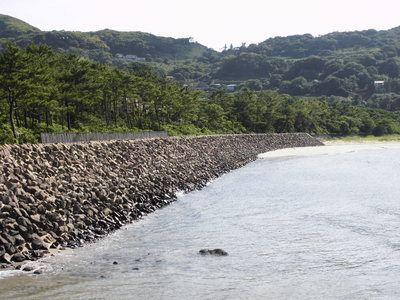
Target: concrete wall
column 98, row 136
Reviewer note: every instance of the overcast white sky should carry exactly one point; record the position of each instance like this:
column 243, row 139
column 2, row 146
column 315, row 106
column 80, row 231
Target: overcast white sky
column 213, row 23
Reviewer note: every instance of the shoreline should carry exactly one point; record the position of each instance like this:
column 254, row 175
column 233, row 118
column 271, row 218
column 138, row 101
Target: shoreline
column 334, row 147
column 62, row 196
column 325, row 149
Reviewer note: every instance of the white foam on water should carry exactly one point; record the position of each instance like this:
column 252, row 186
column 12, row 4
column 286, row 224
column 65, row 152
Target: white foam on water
column 9, row 273
column 39, row 265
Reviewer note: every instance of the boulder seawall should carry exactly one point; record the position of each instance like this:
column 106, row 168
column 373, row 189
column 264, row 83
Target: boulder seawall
column 54, row 196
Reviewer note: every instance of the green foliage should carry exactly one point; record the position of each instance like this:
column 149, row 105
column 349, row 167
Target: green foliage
column 11, row 27
column 386, row 126
column 6, row 134
column 102, row 46
column 245, row 65
column 339, row 64
column 253, row 84
column 388, row 101
column 61, row 88
column 183, row 130
column 384, row 138
column 42, row 91
column 143, row 44
column 342, row 64
column 390, row 67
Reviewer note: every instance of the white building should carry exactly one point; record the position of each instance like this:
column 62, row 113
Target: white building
column 230, row 87
column 130, row 57
column 134, row 57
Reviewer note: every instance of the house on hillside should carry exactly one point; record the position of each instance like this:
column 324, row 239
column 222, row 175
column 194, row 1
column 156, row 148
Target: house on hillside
column 132, row 57
column 230, row 87
column 379, row 86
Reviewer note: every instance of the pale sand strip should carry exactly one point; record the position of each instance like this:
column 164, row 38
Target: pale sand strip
column 329, row 148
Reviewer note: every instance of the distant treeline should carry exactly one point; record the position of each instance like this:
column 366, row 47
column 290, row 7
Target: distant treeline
column 44, row 91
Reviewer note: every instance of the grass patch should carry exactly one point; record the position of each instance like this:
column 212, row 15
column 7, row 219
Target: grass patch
column 369, row 138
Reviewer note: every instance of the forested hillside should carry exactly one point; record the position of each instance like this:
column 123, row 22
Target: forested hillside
column 361, row 67
column 339, row 84
column 42, row 91
column 11, row 27
column 106, row 46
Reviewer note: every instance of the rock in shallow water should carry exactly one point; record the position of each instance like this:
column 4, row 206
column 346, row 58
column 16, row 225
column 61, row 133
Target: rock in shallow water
column 28, row 269
column 217, row 252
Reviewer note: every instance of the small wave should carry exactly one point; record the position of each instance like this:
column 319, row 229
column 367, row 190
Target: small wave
column 33, row 267
column 9, row 273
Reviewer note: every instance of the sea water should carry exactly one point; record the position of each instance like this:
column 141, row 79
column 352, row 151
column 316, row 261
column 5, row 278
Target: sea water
column 312, row 227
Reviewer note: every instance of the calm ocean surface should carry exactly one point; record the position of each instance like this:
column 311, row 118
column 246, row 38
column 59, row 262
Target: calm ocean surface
column 314, row 227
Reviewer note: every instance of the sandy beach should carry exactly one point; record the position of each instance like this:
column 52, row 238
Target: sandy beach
column 329, row 148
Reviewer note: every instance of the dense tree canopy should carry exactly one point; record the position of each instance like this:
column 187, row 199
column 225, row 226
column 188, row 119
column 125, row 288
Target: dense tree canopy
column 41, row 91
column 343, row 64
column 339, row 83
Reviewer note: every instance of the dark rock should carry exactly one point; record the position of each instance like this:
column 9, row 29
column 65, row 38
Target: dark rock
column 36, row 218
column 10, row 248
column 18, row 257
column 37, row 272
column 5, row 258
column 217, row 252
column 37, row 254
column 19, row 240
column 204, row 251
column 41, row 209
column 115, row 263
column 38, row 244
column 22, row 229
column 102, row 223
column 28, row 269
column 30, row 237
column 54, row 217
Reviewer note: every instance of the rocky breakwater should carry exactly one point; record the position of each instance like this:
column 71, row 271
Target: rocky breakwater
column 54, row 196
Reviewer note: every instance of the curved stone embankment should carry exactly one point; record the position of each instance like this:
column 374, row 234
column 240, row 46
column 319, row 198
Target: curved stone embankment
column 54, row 196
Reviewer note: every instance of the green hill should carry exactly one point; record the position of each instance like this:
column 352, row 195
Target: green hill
column 362, row 67
column 102, row 45
column 45, row 90
column 146, row 44
column 13, row 27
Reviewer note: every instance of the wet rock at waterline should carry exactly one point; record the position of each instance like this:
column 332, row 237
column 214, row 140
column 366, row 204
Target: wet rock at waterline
column 57, row 196
column 216, row 252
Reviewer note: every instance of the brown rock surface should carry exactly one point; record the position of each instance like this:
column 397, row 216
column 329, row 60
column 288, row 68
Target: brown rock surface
column 62, row 195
